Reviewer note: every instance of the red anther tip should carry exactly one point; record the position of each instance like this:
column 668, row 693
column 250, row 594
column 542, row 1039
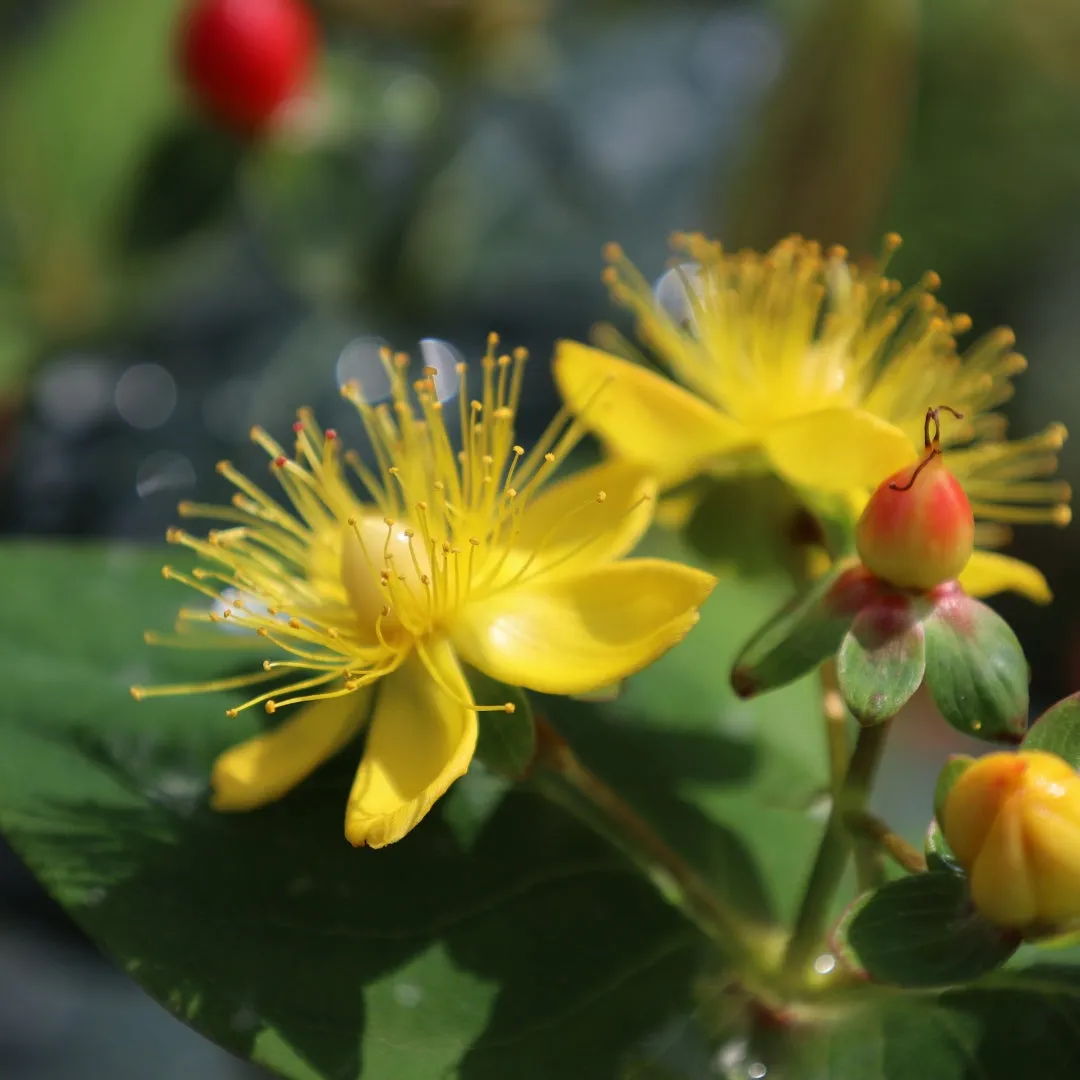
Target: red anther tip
column 280, row 461
column 331, row 434
column 298, row 426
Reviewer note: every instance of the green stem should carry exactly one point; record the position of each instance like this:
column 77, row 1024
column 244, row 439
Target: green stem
column 877, row 832
column 836, row 736
column 833, row 852
column 562, row 778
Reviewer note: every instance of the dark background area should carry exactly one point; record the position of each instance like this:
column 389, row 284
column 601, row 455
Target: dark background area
column 455, row 168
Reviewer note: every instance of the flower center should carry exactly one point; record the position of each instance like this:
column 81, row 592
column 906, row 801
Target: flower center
column 386, row 572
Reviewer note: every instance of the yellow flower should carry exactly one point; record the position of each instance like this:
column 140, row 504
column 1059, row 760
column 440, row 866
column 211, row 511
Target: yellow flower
column 453, row 555
column 802, row 364
column 1013, row 822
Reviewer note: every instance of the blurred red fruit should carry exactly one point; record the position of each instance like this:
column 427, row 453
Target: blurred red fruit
column 243, row 59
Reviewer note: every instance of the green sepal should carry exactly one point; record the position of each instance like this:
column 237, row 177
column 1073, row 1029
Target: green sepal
column 804, row 633
column 922, row 931
column 939, row 856
column 1057, row 731
column 881, row 660
column 975, row 669
column 950, row 773
column 507, row 741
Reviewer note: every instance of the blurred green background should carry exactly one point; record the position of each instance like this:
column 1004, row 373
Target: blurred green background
column 454, row 167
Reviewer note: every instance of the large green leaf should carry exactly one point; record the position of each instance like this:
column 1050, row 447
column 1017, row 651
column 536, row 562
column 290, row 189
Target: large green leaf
column 1012, row 1024
column 455, row 949
column 506, row 918
column 923, row 931
column 500, row 938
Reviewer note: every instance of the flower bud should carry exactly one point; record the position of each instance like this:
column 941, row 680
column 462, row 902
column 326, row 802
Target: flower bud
column 1013, row 822
column 917, row 531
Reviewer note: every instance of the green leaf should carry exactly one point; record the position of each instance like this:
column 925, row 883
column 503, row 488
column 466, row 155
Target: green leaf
column 1058, row 731
column 733, row 785
column 881, row 662
column 1009, row 1025
column 80, row 107
column 187, row 181
column 507, row 741
column 939, row 856
column 951, row 771
column 808, row 630
column 975, row 669
column 444, row 954
column 743, row 525
column 922, row 931
column 500, row 938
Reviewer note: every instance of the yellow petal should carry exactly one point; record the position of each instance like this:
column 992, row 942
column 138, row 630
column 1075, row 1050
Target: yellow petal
column 837, row 449
column 270, row 765
column 577, row 634
column 640, row 414
column 1053, row 845
column 569, row 528
column 1001, row 880
column 422, row 739
column 989, row 572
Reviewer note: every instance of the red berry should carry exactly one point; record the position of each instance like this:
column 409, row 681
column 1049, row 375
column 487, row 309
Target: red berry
column 243, row 59
column 917, row 530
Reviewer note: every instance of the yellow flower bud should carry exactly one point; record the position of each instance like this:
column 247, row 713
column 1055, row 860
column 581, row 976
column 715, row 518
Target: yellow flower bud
column 1013, row 822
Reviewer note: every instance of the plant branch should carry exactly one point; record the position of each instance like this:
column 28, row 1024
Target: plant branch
column 559, row 775
column 836, row 737
column 834, row 849
column 872, row 828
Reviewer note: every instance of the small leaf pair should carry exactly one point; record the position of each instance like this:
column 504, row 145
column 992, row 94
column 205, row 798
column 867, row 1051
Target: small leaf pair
column 887, row 642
